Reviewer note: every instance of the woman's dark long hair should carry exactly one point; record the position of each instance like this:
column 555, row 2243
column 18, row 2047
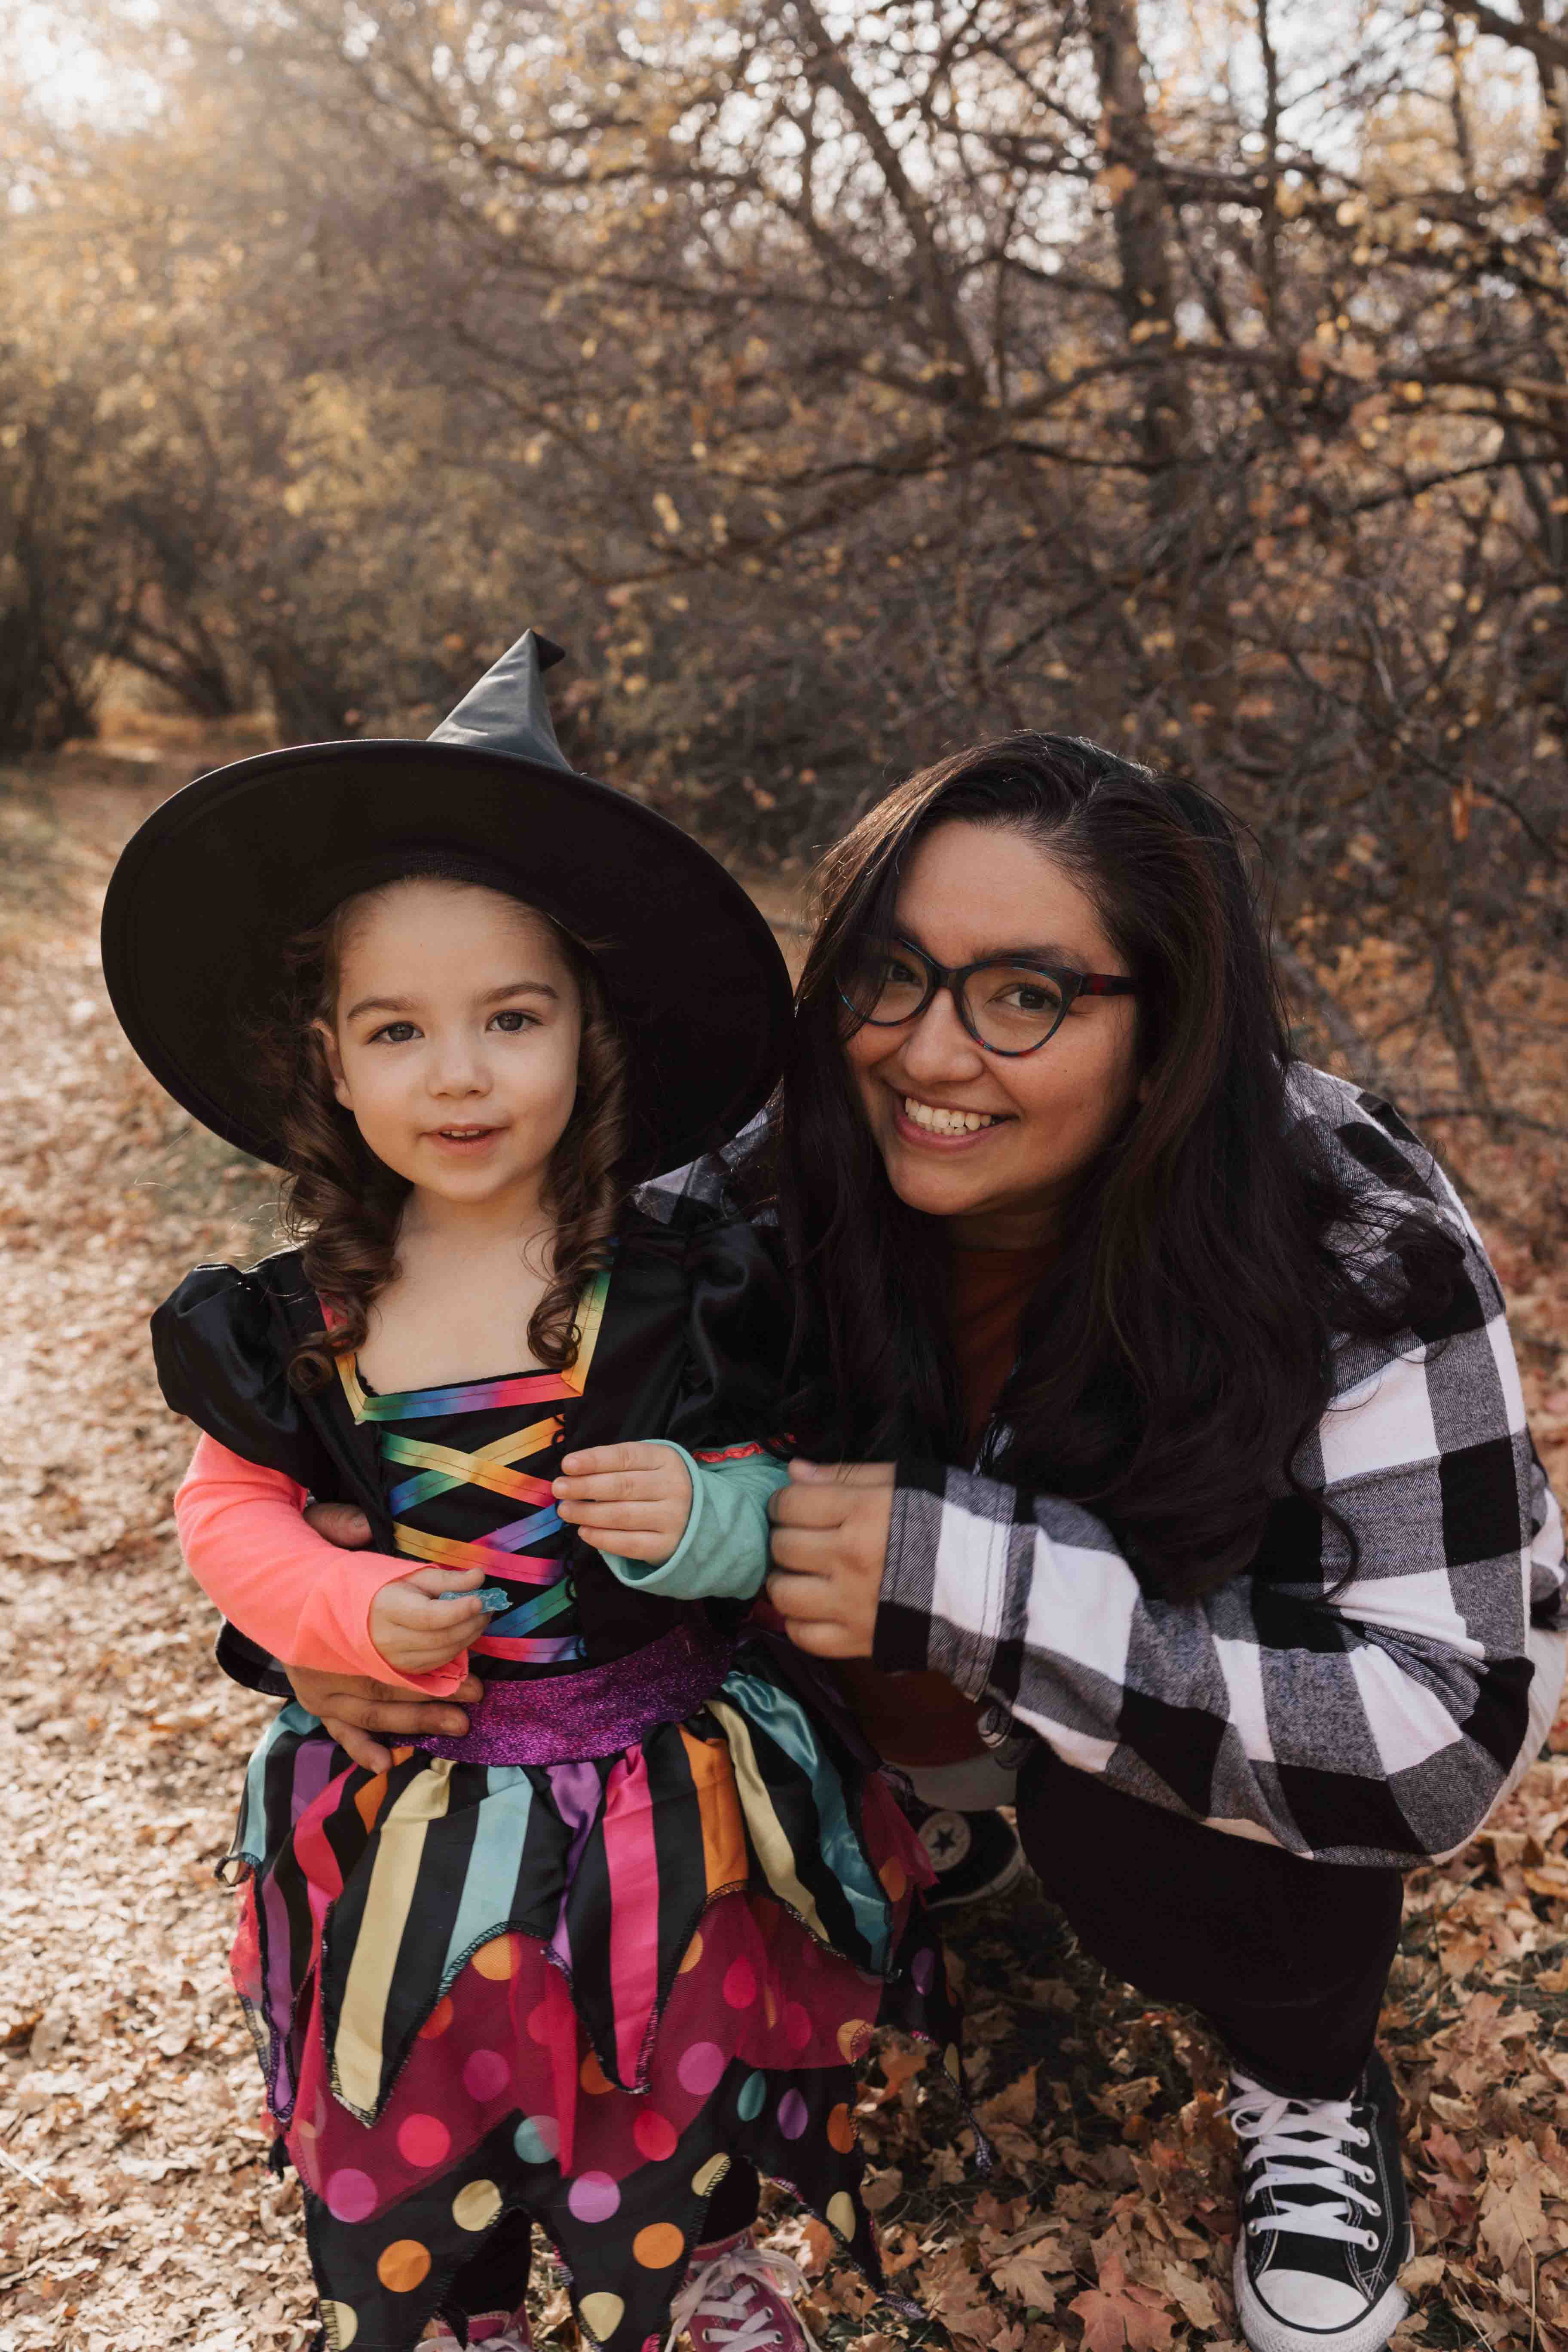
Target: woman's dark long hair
column 1179, row 1350
column 343, row 1205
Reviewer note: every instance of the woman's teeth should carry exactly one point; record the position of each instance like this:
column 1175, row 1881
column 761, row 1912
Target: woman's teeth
column 946, row 1122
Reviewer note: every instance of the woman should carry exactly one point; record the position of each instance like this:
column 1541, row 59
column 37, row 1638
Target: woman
column 1242, row 1549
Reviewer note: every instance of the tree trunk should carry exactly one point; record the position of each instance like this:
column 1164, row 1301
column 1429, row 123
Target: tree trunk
column 1169, row 428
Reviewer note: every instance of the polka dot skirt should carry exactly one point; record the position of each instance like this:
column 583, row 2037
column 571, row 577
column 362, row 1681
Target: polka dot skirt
column 572, row 1997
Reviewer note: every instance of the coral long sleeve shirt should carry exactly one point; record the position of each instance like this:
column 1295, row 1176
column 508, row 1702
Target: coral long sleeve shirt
column 247, row 1545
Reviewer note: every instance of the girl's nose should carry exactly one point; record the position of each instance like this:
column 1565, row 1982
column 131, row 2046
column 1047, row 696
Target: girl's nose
column 458, row 1068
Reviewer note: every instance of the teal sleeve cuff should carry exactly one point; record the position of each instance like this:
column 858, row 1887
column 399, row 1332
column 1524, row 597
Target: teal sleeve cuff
column 723, row 1552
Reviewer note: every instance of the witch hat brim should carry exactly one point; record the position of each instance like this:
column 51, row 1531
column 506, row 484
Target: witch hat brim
column 208, row 889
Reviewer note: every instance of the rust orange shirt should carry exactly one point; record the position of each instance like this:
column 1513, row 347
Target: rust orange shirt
column 922, row 1718
column 991, row 1290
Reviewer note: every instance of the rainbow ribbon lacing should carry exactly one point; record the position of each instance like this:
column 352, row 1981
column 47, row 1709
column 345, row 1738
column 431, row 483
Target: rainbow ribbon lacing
column 439, row 1468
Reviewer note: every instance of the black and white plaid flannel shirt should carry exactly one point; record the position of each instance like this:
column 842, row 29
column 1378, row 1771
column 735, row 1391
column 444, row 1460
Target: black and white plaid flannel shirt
column 1376, row 1723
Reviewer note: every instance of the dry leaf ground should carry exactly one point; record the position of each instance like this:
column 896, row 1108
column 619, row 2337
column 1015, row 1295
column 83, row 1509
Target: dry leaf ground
column 135, row 2214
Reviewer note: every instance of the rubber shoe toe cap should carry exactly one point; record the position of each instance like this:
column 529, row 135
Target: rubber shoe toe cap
column 1303, row 2299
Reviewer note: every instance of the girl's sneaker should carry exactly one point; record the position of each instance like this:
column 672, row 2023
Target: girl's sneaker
column 490, row 2331
column 739, row 2298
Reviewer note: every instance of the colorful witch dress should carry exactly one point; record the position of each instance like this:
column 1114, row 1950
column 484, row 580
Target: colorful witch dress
column 574, row 1990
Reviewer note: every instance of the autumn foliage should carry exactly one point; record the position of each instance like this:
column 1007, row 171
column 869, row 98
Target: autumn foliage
column 839, row 383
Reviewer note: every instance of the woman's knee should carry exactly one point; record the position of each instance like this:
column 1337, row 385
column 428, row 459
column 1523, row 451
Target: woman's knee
column 1185, row 1912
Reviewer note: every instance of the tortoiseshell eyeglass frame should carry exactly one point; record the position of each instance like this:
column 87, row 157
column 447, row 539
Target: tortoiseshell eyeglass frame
column 955, row 979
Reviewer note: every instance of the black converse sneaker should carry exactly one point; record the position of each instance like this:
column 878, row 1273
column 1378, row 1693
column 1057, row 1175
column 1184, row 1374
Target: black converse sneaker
column 973, row 1855
column 1325, row 2219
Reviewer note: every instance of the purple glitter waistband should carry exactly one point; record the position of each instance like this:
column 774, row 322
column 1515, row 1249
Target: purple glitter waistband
column 566, row 1718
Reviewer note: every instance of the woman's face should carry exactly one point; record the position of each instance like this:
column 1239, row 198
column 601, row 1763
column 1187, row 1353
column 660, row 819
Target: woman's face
column 454, row 1040
column 971, row 891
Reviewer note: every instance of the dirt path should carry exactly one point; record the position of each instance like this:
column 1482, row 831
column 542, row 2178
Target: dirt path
column 129, row 2087
column 135, row 2214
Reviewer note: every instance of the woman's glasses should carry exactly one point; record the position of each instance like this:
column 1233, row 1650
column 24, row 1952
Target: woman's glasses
column 1009, row 1004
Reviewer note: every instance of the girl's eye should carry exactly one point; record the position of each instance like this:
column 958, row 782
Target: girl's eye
column 512, row 1020
column 393, row 1033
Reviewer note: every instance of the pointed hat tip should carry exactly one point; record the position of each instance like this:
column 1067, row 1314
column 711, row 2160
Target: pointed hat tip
column 508, row 710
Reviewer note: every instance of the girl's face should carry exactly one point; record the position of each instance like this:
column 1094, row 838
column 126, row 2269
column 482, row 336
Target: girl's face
column 971, row 891
column 454, row 1040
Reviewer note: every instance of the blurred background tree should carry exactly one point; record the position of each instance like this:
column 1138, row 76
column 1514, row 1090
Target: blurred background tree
column 841, row 384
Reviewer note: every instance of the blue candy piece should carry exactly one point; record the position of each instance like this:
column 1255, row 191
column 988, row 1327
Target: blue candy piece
column 490, row 1597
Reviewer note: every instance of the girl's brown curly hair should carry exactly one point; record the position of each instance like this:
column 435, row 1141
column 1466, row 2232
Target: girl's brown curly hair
column 342, row 1205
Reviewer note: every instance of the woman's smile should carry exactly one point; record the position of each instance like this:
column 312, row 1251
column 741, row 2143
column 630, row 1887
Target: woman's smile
column 944, row 1127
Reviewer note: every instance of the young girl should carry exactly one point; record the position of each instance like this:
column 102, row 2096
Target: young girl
column 601, row 1960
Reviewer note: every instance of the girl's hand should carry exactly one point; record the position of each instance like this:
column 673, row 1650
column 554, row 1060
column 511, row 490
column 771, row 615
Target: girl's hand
column 829, row 1545
column 351, row 1707
column 631, row 1499
column 423, row 1621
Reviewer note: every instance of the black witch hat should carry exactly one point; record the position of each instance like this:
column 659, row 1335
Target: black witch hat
column 208, row 889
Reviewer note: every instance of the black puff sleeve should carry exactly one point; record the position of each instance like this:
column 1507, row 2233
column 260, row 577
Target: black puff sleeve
column 695, row 1334
column 738, row 1321
column 219, row 1351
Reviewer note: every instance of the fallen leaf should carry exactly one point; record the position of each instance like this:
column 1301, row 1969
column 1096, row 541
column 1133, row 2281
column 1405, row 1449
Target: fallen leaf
column 1015, row 2105
column 1510, row 2212
column 900, row 2065
column 1115, row 2313
column 1194, row 2296
column 1426, row 2271
column 1022, row 2280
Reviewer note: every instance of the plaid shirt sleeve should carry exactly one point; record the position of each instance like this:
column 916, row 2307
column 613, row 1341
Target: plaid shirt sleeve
column 705, row 1180
column 1376, row 1723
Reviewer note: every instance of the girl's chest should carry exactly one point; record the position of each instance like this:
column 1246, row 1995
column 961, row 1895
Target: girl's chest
column 427, row 1334
column 466, row 1476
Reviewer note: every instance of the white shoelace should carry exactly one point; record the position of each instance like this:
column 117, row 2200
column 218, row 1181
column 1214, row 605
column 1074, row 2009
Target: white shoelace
column 724, row 2290
column 1301, row 2142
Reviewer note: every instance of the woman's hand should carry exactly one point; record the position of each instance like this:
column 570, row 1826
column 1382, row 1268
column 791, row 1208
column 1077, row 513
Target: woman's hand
column 343, row 1524
column 350, row 1707
column 423, row 1621
column 631, row 1499
column 829, row 1544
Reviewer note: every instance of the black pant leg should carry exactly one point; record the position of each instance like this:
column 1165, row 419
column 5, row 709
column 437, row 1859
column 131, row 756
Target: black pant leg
column 495, row 2279
column 734, row 2204
column 1285, row 1959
